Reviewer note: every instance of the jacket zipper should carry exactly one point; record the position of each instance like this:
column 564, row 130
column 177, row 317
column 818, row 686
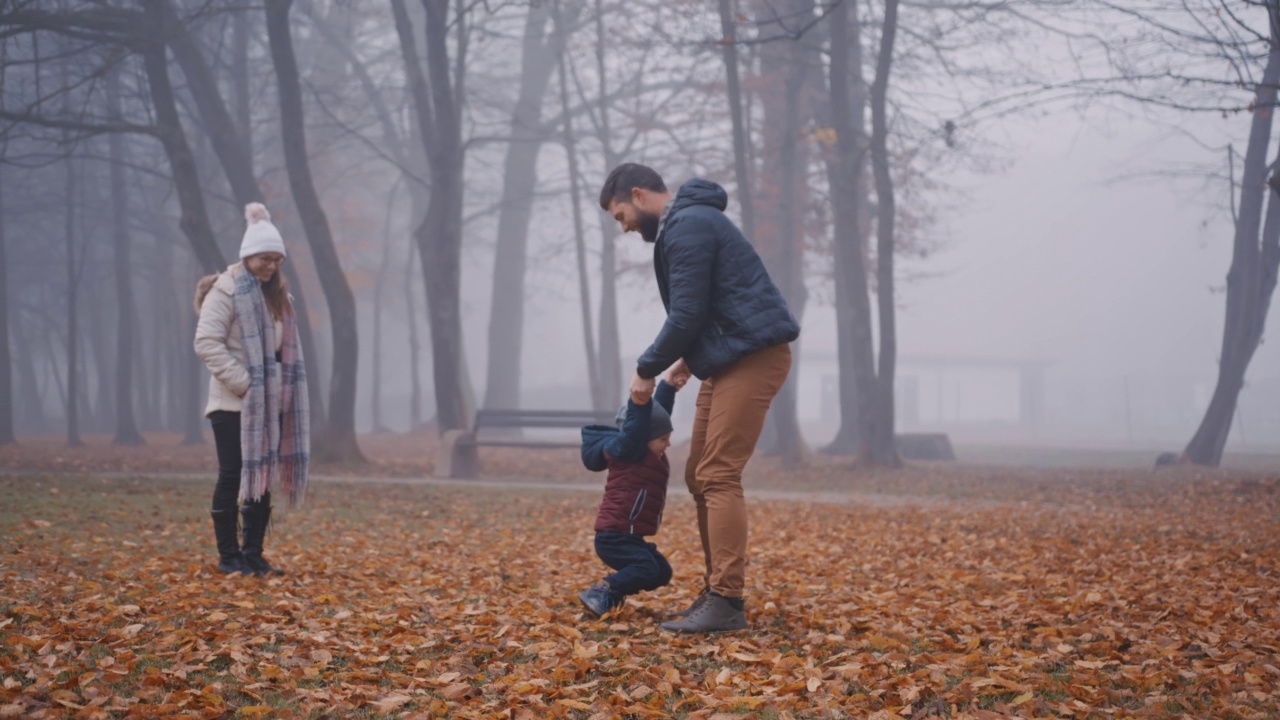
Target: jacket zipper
column 637, row 507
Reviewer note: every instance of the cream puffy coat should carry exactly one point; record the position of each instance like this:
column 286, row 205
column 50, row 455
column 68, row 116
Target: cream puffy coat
column 218, row 343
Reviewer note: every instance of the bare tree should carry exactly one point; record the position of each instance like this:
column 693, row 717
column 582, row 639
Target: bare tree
column 881, row 445
column 579, row 239
column 729, row 43
column 7, row 434
column 785, row 90
column 72, row 399
column 846, row 170
column 126, row 424
column 231, row 141
column 1206, row 56
column 340, row 442
column 439, row 236
column 540, row 47
column 1255, row 258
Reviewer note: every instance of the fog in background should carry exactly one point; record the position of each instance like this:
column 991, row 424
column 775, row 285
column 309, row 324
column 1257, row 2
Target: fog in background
column 1088, row 253
column 1061, row 282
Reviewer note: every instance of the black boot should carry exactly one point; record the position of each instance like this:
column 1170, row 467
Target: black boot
column 256, row 516
column 225, row 532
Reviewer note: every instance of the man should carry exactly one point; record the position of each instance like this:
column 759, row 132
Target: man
column 728, row 325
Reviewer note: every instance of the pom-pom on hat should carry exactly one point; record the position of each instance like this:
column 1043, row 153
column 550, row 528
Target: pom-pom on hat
column 261, row 236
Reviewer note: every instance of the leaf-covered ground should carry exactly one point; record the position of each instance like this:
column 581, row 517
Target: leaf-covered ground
column 937, row 592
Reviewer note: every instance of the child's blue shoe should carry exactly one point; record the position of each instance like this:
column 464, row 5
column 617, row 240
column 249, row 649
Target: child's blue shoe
column 599, row 599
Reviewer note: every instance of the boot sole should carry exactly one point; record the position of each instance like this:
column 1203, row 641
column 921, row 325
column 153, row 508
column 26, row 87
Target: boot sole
column 726, row 631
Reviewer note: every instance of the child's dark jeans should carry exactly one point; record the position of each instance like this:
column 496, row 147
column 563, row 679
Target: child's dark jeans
column 639, row 565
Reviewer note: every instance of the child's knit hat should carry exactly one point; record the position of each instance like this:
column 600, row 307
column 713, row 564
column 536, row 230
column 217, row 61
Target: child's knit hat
column 659, row 420
column 261, row 236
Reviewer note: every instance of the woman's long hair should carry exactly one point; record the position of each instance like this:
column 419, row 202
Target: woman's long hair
column 276, row 293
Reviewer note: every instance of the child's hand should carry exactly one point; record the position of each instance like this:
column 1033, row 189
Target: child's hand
column 678, row 374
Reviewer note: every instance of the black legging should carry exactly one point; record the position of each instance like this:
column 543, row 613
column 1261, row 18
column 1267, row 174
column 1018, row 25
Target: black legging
column 226, row 438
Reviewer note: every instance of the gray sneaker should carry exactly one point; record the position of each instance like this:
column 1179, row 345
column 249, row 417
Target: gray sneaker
column 697, row 603
column 713, row 615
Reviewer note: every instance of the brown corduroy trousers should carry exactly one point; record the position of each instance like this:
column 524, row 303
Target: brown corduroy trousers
column 730, row 416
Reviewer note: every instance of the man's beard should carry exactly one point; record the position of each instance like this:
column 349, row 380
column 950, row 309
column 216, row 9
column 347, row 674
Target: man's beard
column 647, row 225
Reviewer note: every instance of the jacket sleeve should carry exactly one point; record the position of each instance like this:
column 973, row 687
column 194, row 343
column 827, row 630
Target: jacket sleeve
column 211, row 342
column 632, row 443
column 690, row 247
column 665, row 396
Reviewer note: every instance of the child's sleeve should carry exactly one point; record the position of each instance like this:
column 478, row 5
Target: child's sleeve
column 665, row 396
column 632, row 443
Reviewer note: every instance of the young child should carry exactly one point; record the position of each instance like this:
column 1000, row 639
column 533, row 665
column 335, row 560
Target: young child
column 635, row 492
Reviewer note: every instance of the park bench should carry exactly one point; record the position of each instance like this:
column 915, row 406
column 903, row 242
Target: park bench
column 925, row 446
column 457, row 457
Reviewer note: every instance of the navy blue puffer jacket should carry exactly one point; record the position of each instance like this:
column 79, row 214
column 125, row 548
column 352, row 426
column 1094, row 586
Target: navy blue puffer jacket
column 721, row 303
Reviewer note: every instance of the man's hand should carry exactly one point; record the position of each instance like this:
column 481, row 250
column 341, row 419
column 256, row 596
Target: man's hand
column 641, row 389
column 678, row 374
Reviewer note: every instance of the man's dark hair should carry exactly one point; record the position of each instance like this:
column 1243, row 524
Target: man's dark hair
column 617, row 187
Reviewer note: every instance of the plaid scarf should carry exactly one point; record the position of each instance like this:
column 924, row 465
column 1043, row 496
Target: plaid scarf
column 275, row 422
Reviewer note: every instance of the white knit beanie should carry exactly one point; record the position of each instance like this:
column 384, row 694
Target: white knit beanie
column 261, row 236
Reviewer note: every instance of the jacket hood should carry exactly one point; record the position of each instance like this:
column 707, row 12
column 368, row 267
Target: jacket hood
column 594, row 439
column 699, row 192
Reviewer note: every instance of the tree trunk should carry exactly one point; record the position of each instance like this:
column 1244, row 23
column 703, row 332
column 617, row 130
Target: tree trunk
column 98, row 408
column 126, row 424
column 784, row 91
column 193, row 428
column 240, row 88
column 415, row 345
column 741, row 166
column 846, row 167
column 190, row 383
column 186, row 177
column 610, row 347
column 33, row 416
column 580, row 244
column 384, row 279
column 1251, row 279
column 340, row 442
column 519, row 184
column 73, row 299
column 881, row 444
column 439, row 236
column 7, row 434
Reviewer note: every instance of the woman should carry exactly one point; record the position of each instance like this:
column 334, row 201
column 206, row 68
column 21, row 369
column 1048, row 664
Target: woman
column 248, row 337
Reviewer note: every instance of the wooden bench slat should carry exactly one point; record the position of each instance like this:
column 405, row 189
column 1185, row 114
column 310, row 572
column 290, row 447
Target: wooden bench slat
column 483, row 442
column 459, row 446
